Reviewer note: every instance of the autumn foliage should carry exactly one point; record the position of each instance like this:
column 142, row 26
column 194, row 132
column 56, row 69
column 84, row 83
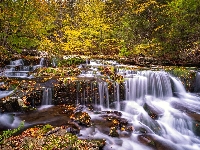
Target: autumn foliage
column 166, row 28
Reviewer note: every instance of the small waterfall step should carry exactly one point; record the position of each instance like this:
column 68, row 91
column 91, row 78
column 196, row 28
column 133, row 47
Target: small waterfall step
column 47, row 96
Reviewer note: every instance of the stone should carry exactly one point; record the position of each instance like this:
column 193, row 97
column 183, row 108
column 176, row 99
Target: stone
column 113, row 132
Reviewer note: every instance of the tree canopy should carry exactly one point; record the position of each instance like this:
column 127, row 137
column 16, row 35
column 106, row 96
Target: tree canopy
column 164, row 28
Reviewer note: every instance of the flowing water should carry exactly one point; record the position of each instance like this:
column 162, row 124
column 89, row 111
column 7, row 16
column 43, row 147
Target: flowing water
column 197, row 82
column 47, row 96
column 19, row 70
column 157, row 90
column 173, row 129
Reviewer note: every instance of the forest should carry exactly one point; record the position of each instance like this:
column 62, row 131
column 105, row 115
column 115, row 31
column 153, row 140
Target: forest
column 161, row 29
column 100, row 74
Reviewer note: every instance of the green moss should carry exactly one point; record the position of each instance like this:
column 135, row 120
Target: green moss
column 185, row 74
column 8, row 133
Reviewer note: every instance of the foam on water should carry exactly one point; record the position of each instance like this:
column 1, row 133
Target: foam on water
column 47, row 96
column 157, row 89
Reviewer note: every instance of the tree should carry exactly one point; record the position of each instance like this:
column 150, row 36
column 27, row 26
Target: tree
column 86, row 31
column 184, row 28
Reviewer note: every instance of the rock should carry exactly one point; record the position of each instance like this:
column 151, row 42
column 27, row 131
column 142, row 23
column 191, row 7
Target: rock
column 158, row 142
column 82, row 118
column 113, row 132
column 185, row 107
column 72, row 130
column 153, row 112
column 150, row 125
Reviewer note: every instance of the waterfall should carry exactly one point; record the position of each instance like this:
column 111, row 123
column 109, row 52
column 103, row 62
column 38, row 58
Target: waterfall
column 146, row 92
column 47, row 96
column 135, row 87
column 17, row 62
column 117, row 96
column 145, row 83
column 54, row 64
column 178, row 86
column 159, row 84
column 16, row 69
column 103, row 94
column 42, row 62
column 197, row 83
column 144, row 100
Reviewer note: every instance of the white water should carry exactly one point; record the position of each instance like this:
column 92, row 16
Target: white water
column 47, row 96
column 18, row 69
column 9, row 121
column 41, row 62
column 197, row 82
column 145, row 87
column 5, row 93
column 172, row 129
column 17, row 62
column 103, row 94
column 54, row 64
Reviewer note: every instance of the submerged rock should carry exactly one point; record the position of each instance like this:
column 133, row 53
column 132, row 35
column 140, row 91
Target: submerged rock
column 157, row 142
column 153, row 112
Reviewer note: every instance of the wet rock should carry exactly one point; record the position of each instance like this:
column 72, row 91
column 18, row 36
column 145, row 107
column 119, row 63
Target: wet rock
column 143, row 129
column 68, row 109
column 149, row 125
column 53, row 131
column 184, row 107
column 82, row 118
column 2, row 108
column 115, row 120
column 157, row 142
column 11, row 106
column 117, row 113
column 111, row 123
column 52, row 115
column 113, row 132
column 196, row 128
column 73, row 130
column 195, row 122
column 146, row 140
column 195, row 116
column 153, row 112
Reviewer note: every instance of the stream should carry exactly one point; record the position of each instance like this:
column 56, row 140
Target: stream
column 158, row 111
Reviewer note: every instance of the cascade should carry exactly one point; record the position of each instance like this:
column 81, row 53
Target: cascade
column 103, row 94
column 145, row 92
column 8, row 121
column 136, row 87
column 17, row 62
column 5, row 93
column 41, row 62
column 144, row 83
column 117, row 94
column 197, row 83
column 47, row 96
column 18, row 69
column 155, row 90
column 54, row 64
column 178, row 86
